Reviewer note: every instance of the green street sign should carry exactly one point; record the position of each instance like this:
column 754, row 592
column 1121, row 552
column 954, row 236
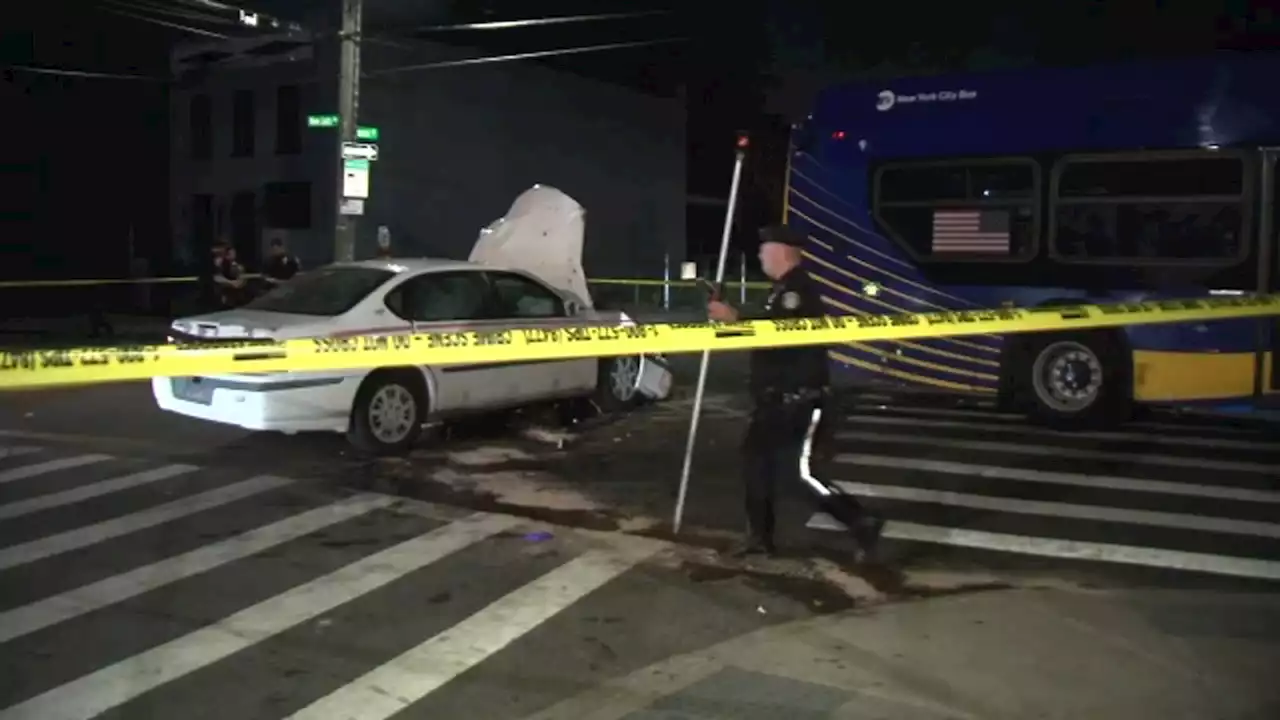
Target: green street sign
column 368, row 134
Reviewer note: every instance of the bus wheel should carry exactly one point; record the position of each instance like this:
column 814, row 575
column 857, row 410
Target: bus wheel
column 1078, row 380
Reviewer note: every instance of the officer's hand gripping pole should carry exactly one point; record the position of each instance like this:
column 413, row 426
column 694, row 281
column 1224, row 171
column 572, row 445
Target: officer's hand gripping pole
column 743, row 142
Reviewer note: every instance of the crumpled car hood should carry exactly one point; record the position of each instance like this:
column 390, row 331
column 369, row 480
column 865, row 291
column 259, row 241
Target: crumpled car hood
column 541, row 234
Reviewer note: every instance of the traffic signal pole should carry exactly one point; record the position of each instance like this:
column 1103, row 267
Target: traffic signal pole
column 344, row 236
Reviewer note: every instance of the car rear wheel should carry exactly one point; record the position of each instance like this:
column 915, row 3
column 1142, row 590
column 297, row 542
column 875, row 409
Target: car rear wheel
column 618, row 385
column 388, row 413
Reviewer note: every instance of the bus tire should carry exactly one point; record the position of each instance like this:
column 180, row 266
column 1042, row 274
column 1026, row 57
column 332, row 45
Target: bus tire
column 1077, row 380
column 388, row 412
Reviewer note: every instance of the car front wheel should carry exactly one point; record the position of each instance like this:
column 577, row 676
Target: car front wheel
column 618, row 385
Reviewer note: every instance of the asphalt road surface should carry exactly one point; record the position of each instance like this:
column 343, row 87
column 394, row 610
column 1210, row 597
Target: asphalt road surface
column 1170, row 500
column 142, row 588
column 158, row 567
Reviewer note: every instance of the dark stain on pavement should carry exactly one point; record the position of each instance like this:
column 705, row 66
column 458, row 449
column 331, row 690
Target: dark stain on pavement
column 820, row 597
column 442, row 494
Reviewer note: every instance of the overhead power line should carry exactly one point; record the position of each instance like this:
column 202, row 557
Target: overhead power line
column 66, row 72
column 166, row 23
column 155, row 7
column 538, row 22
column 520, row 56
column 69, row 72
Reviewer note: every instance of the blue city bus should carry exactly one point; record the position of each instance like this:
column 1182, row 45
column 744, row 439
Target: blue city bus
column 1044, row 186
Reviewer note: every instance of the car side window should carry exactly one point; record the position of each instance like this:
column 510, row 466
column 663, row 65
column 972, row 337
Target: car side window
column 520, row 297
column 440, row 297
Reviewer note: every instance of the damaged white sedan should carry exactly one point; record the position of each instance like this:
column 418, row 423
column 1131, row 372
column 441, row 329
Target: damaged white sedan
column 525, row 271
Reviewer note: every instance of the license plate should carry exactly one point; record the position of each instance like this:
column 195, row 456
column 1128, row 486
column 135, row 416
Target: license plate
column 194, row 390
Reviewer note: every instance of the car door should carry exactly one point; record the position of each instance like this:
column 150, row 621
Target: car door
column 522, row 302
column 454, row 301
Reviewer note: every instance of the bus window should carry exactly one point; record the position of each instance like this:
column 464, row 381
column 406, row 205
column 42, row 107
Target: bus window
column 1153, row 210
column 960, row 210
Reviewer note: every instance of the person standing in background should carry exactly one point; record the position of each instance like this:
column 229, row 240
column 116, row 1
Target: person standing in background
column 281, row 265
column 229, row 277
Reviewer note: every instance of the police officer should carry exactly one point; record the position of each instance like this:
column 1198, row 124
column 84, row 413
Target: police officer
column 789, row 388
column 281, row 265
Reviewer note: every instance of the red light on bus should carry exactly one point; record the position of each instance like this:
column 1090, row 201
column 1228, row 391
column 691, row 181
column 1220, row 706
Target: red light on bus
column 837, row 135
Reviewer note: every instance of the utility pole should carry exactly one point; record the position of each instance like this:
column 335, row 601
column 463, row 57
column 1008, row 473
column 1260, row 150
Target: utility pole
column 344, row 236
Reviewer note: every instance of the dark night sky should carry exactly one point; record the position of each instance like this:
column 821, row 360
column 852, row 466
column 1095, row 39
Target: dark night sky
column 738, row 59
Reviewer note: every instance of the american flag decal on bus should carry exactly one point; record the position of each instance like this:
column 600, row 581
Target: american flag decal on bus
column 971, row 231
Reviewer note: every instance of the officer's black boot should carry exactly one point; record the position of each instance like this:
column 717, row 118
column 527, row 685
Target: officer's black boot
column 866, row 532
column 753, row 546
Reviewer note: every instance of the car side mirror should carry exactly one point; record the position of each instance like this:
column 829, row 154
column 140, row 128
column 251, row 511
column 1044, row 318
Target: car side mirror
column 571, row 308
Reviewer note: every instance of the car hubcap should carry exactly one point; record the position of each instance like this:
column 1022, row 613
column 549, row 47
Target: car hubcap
column 1068, row 376
column 392, row 412
column 622, row 377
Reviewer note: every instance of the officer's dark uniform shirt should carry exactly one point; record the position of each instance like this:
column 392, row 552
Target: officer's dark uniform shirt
column 781, row 370
column 281, row 267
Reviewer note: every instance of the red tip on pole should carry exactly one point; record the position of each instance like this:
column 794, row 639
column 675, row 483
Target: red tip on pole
column 743, row 141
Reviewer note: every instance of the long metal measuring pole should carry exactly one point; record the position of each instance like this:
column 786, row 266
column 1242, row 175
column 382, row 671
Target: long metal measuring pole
column 706, row 354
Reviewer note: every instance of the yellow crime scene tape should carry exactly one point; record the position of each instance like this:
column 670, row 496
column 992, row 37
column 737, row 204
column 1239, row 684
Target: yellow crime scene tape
column 38, row 368
column 95, row 282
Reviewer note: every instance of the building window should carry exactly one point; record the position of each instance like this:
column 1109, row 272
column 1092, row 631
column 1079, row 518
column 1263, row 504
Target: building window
column 287, row 205
column 1157, row 208
column 242, row 123
column 200, row 116
column 960, row 210
column 288, row 120
column 203, row 228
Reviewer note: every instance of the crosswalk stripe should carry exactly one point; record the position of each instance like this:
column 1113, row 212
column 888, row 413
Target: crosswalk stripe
column 1223, row 444
column 67, row 463
column 1062, row 510
column 30, row 552
column 111, row 686
column 17, row 451
column 93, row 490
column 95, row 596
column 1104, row 482
column 1064, row 549
column 994, row 415
column 390, row 688
column 1061, row 452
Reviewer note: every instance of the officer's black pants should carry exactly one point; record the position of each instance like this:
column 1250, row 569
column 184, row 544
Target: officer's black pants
column 780, row 446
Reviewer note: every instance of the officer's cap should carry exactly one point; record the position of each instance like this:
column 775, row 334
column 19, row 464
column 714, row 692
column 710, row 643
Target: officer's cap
column 781, row 234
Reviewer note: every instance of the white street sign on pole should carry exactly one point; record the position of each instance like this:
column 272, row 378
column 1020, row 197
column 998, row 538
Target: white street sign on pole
column 355, row 179
column 359, row 151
